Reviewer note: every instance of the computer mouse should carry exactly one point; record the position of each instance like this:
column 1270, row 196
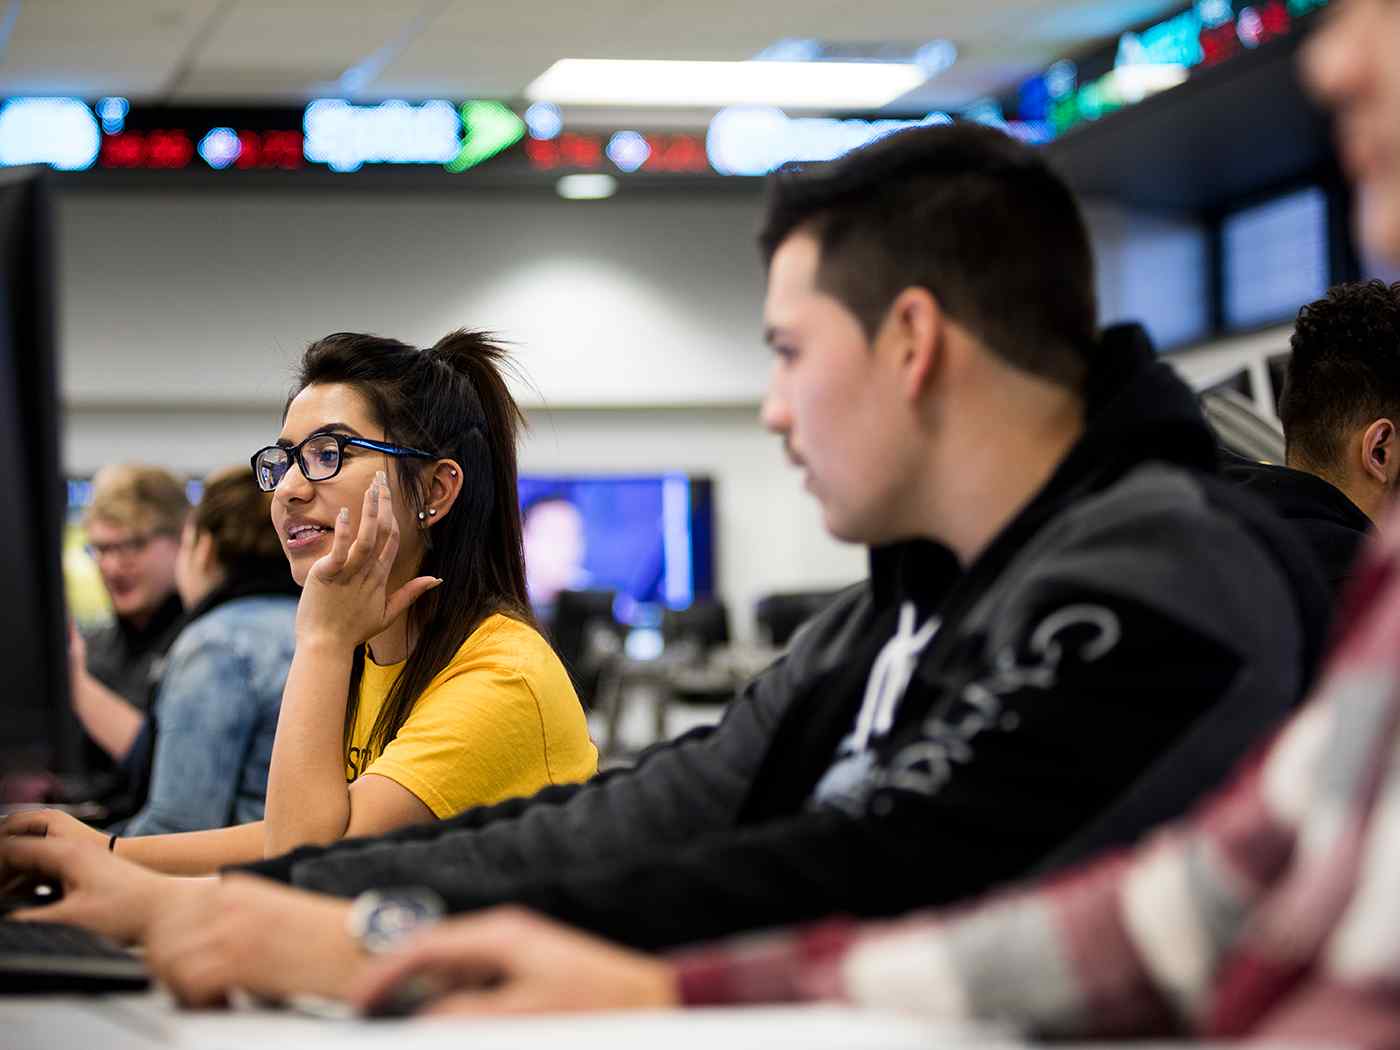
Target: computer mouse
column 406, row 998
column 33, row 894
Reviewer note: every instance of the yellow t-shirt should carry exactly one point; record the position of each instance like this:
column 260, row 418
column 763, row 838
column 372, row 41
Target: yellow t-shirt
column 501, row 720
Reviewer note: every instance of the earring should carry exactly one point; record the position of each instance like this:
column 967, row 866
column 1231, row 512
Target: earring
column 422, row 516
column 432, row 511
column 453, row 473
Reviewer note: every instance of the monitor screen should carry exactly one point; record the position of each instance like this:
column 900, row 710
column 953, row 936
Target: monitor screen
column 1161, row 279
column 1275, row 257
column 647, row 537
column 34, row 704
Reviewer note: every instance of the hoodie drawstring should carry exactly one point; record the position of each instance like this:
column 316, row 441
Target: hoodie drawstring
column 890, row 675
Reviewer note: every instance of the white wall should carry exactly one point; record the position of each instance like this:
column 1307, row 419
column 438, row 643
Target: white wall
column 209, row 296
column 637, row 320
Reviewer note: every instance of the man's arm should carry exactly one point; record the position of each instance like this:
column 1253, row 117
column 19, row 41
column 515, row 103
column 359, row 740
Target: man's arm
column 1128, row 944
column 956, row 813
column 109, row 719
column 676, row 792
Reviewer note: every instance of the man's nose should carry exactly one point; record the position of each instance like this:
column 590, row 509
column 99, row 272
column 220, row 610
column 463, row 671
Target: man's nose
column 774, row 413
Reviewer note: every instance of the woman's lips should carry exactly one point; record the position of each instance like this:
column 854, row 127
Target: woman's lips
column 301, row 537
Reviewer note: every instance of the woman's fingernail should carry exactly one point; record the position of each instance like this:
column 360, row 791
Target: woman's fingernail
column 383, row 479
column 344, row 514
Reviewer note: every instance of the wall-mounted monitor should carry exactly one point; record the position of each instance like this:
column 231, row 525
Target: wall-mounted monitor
column 1274, row 257
column 650, row 538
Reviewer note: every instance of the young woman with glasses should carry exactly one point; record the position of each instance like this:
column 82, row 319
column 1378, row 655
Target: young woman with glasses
column 419, row 686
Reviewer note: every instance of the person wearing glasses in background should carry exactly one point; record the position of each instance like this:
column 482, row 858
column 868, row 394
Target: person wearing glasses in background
column 419, row 686
column 133, row 531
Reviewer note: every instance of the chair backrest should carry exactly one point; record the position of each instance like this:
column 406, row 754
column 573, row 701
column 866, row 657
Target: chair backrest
column 704, row 623
column 576, row 613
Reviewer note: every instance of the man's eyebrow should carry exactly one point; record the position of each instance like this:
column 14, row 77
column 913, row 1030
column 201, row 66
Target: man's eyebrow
column 324, row 428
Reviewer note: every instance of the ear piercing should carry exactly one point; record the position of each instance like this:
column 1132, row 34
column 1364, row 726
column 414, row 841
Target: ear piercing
column 432, row 511
column 453, row 473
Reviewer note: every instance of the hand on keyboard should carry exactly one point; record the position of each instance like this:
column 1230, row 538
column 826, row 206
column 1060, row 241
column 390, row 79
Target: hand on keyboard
column 53, row 824
column 29, row 894
column 101, row 892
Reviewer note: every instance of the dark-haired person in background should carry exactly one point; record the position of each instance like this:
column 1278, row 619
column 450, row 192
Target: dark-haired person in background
column 1340, row 409
column 1061, row 596
column 216, row 709
column 419, row 685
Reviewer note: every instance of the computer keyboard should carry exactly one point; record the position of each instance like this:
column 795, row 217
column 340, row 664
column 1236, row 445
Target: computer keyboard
column 46, row 956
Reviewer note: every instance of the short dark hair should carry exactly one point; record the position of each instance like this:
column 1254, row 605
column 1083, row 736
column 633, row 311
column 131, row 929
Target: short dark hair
column 1344, row 371
column 967, row 212
column 237, row 515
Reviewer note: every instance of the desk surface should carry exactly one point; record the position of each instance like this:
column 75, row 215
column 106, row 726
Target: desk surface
column 142, row 1022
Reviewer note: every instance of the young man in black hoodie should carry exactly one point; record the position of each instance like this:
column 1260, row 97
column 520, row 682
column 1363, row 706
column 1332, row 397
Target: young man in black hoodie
column 1340, row 409
column 1070, row 630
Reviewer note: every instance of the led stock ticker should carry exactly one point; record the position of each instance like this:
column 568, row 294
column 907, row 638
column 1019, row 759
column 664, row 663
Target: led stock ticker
column 1158, row 58
column 344, row 137
column 336, row 135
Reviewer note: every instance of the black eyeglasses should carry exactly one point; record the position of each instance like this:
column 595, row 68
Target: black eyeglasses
column 319, row 456
column 127, row 548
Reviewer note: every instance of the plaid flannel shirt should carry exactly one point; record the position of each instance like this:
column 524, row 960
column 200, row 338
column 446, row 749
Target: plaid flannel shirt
column 1272, row 912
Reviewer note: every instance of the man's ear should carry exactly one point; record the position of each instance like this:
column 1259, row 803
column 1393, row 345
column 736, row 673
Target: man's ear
column 918, row 329
column 1380, row 453
column 444, row 484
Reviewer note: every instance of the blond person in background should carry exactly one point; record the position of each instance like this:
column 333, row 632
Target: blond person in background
column 419, row 686
column 133, row 531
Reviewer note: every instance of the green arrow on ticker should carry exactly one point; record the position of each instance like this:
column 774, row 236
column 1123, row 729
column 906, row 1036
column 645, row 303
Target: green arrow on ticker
column 489, row 127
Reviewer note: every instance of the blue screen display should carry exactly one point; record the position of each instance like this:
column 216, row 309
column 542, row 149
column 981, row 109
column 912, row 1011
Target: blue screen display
column 648, row 537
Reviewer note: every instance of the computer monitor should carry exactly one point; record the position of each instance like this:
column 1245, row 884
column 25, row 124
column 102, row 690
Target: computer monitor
column 1274, row 257
column 647, row 538
column 33, row 699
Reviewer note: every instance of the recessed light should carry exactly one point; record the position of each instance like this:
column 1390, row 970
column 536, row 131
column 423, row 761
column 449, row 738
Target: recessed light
column 794, row 85
column 586, row 187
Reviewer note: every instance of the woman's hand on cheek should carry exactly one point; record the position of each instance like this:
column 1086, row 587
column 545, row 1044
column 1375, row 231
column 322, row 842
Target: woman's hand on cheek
column 345, row 601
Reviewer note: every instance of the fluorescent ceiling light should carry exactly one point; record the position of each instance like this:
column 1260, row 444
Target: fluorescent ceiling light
column 789, row 85
column 586, row 187
column 1132, row 84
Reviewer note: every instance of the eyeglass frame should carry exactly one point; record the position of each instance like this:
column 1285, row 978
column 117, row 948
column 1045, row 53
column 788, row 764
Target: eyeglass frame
column 127, row 548
column 341, row 440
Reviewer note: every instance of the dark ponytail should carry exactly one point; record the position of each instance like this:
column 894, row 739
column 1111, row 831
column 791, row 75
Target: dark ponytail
column 451, row 400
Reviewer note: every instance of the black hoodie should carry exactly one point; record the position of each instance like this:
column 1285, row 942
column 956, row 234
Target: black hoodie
column 1330, row 523
column 1104, row 662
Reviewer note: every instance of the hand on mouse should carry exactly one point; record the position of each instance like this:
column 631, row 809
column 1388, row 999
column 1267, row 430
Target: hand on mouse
column 259, row 937
column 40, row 823
column 509, row 961
column 101, row 892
